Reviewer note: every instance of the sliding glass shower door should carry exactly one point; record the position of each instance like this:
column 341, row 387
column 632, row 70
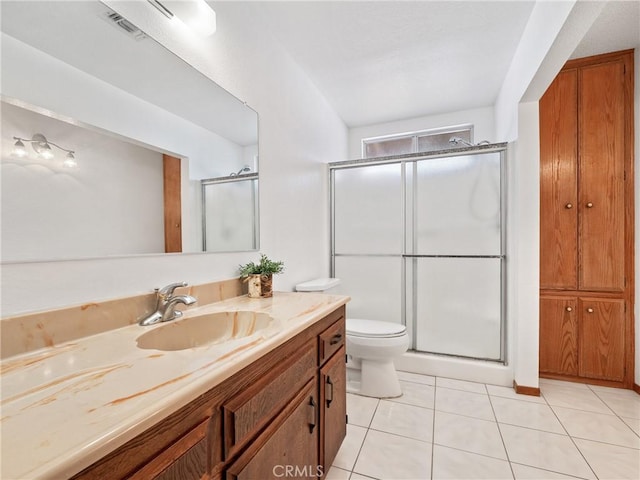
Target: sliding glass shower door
column 420, row 241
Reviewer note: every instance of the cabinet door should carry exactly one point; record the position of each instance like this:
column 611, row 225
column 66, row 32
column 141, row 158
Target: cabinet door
column 602, row 338
column 289, row 446
column 559, row 335
column 333, row 401
column 601, row 198
column 558, row 184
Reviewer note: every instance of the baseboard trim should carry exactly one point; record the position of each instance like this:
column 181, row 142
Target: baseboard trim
column 523, row 390
column 636, row 388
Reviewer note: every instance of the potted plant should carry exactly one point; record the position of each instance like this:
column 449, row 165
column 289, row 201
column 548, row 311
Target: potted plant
column 260, row 276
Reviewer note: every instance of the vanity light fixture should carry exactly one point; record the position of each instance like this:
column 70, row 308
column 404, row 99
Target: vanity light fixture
column 42, row 147
column 195, row 14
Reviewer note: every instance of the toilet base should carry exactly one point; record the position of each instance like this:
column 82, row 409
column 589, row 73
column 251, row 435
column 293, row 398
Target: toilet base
column 373, row 378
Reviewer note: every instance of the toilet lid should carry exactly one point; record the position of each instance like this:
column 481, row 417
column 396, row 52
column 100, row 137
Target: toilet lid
column 374, row 328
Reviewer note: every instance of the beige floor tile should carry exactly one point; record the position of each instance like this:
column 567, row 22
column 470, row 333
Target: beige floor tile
column 336, row 473
column 415, row 394
column 622, row 392
column 524, row 472
column 611, row 462
column 526, row 414
column 468, row 434
column 357, row 476
column 562, row 383
column 571, row 397
column 634, row 424
column 622, row 406
column 392, row 457
column 348, row 453
column 360, row 409
column 402, row 419
column 417, row 378
column 598, row 427
column 508, row 392
column 464, row 403
column 461, row 385
column 449, row 463
column 548, row 451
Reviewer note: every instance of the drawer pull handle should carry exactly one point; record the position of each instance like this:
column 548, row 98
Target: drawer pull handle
column 569, row 309
column 590, row 310
column 329, row 391
column 312, row 415
column 337, row 338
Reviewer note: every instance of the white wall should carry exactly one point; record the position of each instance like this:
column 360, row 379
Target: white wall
column 481, row 118
column 299, row 133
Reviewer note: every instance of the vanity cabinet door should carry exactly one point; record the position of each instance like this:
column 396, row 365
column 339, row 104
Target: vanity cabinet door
column 333, row 411
column 186, row 459
column 288, row 448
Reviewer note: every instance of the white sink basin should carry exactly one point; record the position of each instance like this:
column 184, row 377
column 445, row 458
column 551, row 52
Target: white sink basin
column 202, row 330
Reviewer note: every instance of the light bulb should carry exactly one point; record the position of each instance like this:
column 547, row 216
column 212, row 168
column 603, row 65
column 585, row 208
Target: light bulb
column 70, row 161
column 45, row 151
column 18, row 149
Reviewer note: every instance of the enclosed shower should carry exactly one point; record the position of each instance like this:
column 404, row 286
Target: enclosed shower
column 419, row 239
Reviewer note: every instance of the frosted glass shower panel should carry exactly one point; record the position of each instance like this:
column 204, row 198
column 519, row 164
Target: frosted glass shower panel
column 458, row 307
column 458, row 205
column 374, row 284
column 368, row 209
column 230, row 211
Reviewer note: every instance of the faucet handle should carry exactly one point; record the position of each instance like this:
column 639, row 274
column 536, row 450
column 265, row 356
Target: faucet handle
column 169, row 289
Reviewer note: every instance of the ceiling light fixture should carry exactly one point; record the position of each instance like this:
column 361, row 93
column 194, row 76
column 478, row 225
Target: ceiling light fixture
column 42, row 147
column 195, row 14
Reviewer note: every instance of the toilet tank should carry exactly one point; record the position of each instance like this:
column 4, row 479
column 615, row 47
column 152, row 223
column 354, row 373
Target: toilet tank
column 318, row 285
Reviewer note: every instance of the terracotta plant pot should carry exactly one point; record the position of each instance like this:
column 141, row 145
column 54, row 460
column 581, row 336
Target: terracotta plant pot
column 260, row 285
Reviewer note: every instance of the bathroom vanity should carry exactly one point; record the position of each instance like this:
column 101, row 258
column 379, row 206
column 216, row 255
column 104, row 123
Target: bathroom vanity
column 268, row 403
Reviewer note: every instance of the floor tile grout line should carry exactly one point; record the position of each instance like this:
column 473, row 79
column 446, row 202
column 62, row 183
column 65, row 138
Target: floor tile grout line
column 547, row 470
column 504, row 445
column 473, row 453
column 433, row 428
column 574, row 443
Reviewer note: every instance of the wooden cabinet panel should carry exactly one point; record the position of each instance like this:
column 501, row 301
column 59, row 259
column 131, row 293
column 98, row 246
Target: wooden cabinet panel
column 184, row 460
column 602, row 338
column 330, row 341
column 559, row 335
column 333, row 401
column 558, row 183
column 256, row 406
column 291, row 449
column 602, row 204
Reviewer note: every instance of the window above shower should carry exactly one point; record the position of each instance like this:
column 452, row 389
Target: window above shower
column 416, row 142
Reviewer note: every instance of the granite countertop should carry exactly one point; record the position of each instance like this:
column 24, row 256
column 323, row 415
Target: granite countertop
column 67, row 406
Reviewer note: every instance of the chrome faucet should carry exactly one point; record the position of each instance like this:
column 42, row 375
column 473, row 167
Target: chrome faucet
column 166, row 305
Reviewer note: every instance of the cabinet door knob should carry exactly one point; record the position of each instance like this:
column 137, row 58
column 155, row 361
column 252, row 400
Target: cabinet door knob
column 569, row 205
column 590, row 310
column 589, row 205
column 569, row 309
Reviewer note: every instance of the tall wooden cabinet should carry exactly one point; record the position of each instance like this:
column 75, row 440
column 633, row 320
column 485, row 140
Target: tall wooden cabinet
column 586, row 222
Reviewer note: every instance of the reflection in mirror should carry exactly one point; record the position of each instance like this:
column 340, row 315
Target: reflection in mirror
column 147, row 131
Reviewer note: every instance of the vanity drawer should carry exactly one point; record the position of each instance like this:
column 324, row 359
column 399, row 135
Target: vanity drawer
column 252, row 409
column 331, row 340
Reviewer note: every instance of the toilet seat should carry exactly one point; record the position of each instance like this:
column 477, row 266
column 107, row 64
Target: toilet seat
column 358, row 327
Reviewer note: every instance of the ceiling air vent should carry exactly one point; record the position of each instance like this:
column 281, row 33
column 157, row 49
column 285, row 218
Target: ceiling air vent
column 124, row 25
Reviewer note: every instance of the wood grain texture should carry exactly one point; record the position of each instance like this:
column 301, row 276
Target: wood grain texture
column 253, row 408
column 333, row 407
column 172, row 204
column 559, row 335
column 602, row 334
column 288, row 442
column 601, row 170
column 559, row 183
column 524, row 390
column 330, row 341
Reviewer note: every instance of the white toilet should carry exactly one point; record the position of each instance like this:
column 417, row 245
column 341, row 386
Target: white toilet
column 371, row 347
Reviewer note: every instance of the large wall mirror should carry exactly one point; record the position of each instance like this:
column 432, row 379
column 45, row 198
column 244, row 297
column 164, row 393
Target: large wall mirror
column 164, row 160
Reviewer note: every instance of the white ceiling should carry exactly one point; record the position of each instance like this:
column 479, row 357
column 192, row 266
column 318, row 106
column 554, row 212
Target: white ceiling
column 380, row 61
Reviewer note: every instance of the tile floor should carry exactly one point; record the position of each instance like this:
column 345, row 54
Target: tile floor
column 451, row 429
